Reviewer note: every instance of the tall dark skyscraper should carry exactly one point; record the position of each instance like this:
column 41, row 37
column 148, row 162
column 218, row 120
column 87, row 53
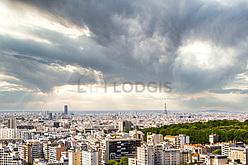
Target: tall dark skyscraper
column 50, row 116
column 165, row 111
column 66, row 109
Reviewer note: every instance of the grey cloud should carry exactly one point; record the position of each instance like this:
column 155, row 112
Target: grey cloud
column 213, row 103
column 139, row 41
column 44, row 76
column 228, row 91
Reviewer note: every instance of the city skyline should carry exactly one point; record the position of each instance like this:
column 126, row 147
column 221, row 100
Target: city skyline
column 89, row 55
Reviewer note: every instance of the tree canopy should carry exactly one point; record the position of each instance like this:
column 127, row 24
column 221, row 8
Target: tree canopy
column 199, row 131
column 217, row 151
column 123, row 161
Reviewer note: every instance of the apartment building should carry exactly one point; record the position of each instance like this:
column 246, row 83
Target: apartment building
column 158, row 154
column 216, row 159
column 125, row 125
column 117, row 148
column 7, row 159
column 181, row 140
column 75, row 157
column 145, row 155
column 91, row 157
column 153, row 139
column 31, row 151
column 225, row 147
column 53, row 152
column 239, row 153
column 8, row 133
column 213, row 138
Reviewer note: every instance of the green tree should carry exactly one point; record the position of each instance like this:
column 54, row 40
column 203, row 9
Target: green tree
column 124, row 160
column 237, row 161
column 217, row 151
column 111, row 162
column 199, row 131
column 29, row 163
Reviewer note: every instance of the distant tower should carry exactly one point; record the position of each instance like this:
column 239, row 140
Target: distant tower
column 66, row 110
column 165, row 111
column 12, row 123
column 46, row 112
column 50, row 116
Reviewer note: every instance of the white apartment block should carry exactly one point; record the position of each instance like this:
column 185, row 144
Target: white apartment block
column 181, row 140
column 156, row 155
column 91, row 157
column 8, row 133
column 7, row 159
column 24, row 134
column 52, row 154
column 153, row 139
column 225, row 147
column 145, row 155
column 171, row 157
column 239, row 153
column 216, row 160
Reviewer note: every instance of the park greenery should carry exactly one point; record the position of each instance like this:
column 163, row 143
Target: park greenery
column 228, row 130
column 123, row 161
column 217, row 151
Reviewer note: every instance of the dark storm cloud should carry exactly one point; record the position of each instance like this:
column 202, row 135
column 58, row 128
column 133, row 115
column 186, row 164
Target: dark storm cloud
column 140, row 40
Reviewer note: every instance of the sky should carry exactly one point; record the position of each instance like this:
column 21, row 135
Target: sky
column 124, row 55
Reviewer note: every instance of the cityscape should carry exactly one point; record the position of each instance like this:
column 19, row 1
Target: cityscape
column 65, row 138
column 123, row 82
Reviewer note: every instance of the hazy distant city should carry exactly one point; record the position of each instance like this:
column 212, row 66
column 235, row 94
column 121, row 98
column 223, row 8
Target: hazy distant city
column 65, row 137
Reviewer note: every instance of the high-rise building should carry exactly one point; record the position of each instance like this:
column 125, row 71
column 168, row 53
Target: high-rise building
column 125, row 125
column 66, row 110
column 153, row 139
column 181, row 140
column 11, row 131
column 185, row 156
column 91, row 157
column 117, row 148
column 75, row 157
column 31, row 151
column 50, row 116
column 171, row 156
column 157, row 154
column 213, row 138
column 145, row 155
column 53, row 152
column 12, row 123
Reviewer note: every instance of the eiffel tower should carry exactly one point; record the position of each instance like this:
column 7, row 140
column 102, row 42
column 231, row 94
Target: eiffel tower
column 165, row 111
